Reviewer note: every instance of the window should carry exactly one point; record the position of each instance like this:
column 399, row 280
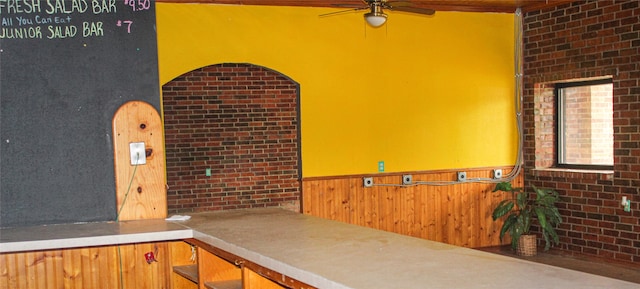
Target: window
column 584, row 124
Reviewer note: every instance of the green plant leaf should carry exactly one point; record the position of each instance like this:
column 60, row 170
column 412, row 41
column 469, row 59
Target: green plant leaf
column 540, row 193
column 502, row 209
column 554, row 236
column 521, row 200
column 503, row 186
column 550, row 236
column 515, row 232
column 553, row 216
column 548, row 215
column 523, row 209
column 547, row 244
column 542, row 217
column 524, row 220
column 508, row 225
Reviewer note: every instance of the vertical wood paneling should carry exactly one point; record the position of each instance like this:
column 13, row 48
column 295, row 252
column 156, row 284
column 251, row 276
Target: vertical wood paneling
column 408, row 213
column 106, row 266
column 54, row 268
column 463, row 224
column 87, row 267
column 91, row 267
column 474, row 217
column 384, row 207
column 69, row 261
column 436, row 209
column 457, row 214
column 447, row 213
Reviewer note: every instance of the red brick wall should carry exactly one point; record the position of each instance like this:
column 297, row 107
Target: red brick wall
column 241, row 122
column 589, row 125
column 582, row 40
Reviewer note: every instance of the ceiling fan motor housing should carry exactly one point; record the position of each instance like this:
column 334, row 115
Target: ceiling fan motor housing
column 376, row 17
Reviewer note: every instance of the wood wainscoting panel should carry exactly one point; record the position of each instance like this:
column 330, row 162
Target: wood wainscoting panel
column 457, row 214
column 67, row 268
column 89, row 267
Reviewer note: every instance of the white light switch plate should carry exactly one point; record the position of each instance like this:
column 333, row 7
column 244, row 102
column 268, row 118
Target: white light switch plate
column 138, row 154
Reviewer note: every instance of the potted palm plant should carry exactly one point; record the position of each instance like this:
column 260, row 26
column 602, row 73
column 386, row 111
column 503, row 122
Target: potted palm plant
column 521, row 210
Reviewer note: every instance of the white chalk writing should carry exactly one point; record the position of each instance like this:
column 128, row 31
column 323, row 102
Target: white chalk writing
column 61, row 19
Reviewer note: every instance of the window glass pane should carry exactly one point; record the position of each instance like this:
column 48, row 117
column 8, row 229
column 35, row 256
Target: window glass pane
column 586, row 125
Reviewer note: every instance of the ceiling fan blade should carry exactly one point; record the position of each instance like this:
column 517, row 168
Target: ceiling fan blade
column 349, row 5
column 410, row 9
column 343, row 11
column 392, row 4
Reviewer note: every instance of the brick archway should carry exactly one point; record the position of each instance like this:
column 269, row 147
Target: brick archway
column 232, row 139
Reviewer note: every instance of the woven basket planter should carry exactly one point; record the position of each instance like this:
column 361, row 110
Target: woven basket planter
column 527, row 246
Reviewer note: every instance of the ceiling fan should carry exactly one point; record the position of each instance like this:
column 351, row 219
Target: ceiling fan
column 376, row 16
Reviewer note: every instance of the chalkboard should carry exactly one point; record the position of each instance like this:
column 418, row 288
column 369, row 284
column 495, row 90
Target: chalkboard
column 66, row 66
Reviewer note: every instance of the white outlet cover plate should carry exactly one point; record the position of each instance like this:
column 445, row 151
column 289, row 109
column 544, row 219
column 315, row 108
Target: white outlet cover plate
column 407, row 179
column 138, row 154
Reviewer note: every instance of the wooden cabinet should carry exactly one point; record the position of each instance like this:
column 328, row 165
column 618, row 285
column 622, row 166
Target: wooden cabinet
column 217, row 273
column 188, row 264
column 184, row 273
column 197, row 268
column 197, row 265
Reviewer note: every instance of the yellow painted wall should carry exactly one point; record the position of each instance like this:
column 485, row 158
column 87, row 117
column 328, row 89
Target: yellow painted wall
column 419, row 93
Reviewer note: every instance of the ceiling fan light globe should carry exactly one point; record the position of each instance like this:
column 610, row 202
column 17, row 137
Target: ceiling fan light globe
column 375, row 19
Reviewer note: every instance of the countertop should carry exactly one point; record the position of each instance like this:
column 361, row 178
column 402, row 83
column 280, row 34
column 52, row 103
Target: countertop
column 89, row 234
column 322, row 253
column 331, row 254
